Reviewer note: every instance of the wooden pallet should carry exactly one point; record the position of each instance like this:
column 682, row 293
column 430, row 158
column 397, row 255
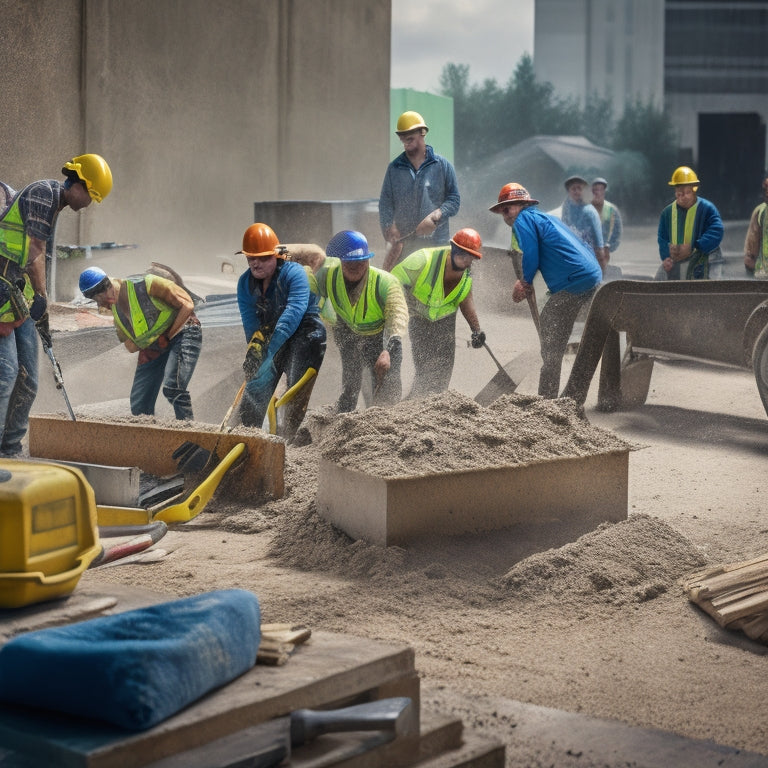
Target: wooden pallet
column 326, row 671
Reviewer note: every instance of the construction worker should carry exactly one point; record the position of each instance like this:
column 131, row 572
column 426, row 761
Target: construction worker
column 437, row 282
column 155, row 317
column 418, row 196
column 27, row 229
column 584, row 219
column 283, row 328
column 756, row 241
column 568, row 266
column 610, row 218
column 371, row 318
column 690, row 233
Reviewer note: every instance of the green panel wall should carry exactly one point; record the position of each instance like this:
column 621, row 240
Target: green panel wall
column 437, row 112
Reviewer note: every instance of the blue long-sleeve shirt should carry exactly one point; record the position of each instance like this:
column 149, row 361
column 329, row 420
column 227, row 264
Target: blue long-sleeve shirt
column 408, row 195
column 584, row 220
column 707, row 228
column 549, row 247
column 283, row 306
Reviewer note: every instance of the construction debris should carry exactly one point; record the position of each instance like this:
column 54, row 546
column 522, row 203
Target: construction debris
column 735, row 595
column 278, row 642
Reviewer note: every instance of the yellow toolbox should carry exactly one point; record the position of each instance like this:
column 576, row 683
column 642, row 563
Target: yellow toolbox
column 48, row 531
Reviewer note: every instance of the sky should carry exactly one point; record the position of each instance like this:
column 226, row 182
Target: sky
column 488, row 35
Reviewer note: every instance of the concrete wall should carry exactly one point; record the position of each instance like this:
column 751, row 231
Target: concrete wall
column 200, row 108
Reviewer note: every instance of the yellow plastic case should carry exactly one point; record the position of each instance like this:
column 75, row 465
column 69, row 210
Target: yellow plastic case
column 48, row 531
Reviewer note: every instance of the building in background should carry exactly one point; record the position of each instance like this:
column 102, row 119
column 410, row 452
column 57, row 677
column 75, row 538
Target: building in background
column 704, row 61
column 201, row 109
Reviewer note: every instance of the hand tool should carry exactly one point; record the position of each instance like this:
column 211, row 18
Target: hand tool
column 517, row 265
column 59, row 379
column 191, row 457
column 130, row 547
column 182, row 512
column 276, row 402
column 269, row 744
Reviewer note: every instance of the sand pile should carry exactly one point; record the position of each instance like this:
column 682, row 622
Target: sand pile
column 450, row 431
column 630, row 561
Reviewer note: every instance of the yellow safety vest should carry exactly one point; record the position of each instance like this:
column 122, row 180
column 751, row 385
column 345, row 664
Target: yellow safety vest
column 428, row 288
column 149, row 317
column 366, row 317
column 761, row 263
column 14, row 253
column 690, row 218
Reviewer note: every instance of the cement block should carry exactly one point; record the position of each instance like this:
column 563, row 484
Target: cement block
column 580, row 492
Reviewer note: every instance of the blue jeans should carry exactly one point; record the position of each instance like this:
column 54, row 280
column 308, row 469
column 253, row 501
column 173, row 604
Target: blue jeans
column 305, row 349
column 171, row 370
column 18, row 385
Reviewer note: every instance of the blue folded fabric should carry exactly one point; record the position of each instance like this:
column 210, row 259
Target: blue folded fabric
column 135, row 669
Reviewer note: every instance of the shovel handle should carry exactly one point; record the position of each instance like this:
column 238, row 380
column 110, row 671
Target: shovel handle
column 493, row 357
column 517, row 265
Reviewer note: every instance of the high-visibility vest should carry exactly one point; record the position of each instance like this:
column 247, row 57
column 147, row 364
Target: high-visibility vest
column 690, row 218
column 761, row 262
column 366, row 317
column 14, row 253
column 608, row 216
column 428, row 288
column 149, row 317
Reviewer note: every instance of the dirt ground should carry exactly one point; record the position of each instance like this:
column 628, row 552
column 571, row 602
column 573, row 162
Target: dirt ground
column 598, row 626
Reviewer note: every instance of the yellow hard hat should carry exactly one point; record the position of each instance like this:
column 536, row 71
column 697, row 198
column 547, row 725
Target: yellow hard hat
column 683, row 175
column 94, row 172
column 410, row 121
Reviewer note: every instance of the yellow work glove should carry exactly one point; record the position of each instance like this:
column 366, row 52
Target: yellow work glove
column 254, row 356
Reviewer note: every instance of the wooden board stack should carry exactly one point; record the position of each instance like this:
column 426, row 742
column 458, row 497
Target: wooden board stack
column 735, row 595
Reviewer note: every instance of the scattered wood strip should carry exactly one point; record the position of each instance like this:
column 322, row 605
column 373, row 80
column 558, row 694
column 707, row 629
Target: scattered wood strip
column 278, row 641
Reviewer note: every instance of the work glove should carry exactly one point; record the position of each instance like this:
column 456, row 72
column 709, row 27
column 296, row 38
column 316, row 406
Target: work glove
column 478, row 339
column 38, row 307
column 44, row 329
column 254, row 356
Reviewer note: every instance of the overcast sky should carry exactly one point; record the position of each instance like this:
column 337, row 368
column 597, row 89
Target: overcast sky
column 489, row 35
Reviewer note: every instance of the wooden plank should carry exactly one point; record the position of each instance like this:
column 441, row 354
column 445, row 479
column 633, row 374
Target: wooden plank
column 327, row 668
column 150, row 447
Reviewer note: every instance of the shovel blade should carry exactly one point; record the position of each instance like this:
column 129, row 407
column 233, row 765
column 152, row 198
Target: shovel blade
column 191, row 457
column 507, row 381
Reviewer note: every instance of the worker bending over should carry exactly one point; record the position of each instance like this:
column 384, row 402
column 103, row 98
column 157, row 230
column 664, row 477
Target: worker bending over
column 282, row 324
column 437, row 282
column 27, row 225
column 154, row 317
column 371, row 318
column 569, row 268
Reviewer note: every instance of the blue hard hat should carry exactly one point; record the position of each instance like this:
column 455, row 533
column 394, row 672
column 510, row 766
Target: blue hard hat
column 349, row 245
column 92, row 281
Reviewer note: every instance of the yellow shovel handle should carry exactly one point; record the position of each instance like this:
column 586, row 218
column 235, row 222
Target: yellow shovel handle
column 274, row 403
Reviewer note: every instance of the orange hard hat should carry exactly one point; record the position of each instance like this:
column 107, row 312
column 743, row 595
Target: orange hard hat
column 468, row 240
column 259, row 240
column 512, row 193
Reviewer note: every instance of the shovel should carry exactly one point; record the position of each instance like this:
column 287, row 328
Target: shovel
column 182, row 512
column 503, row 382
column 193, row 458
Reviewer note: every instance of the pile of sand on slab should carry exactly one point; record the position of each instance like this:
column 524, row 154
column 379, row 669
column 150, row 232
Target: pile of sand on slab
column 450, row 432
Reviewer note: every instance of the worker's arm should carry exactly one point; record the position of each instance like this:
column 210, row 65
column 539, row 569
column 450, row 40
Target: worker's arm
column 467, row 308
column 395, row 310
column 36, row 265
column 712, row 229
column 312, row 259
column 174, row 296
column 753, row 240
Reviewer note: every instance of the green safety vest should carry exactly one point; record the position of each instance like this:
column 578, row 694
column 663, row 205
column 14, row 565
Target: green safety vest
column 690, row 218
column 608, row 216
column 761, row 263
column 14, row 253
column 149, row 317
column 428, row 288
column 366, row 317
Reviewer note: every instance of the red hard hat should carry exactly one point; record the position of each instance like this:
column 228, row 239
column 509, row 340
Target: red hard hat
column 259, row 240
column 468, row 240
column 512, row 193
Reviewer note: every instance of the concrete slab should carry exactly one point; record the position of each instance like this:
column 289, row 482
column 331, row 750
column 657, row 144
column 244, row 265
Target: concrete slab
column 580, row 491
column 150, row 447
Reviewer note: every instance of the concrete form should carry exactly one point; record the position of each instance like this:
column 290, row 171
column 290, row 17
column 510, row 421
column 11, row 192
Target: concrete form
column 578, row 492
column 150, row 448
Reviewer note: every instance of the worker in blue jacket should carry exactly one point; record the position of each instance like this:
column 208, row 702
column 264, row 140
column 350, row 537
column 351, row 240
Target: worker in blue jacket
column 282, row 324
column 690, row 233
column 568, row 266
